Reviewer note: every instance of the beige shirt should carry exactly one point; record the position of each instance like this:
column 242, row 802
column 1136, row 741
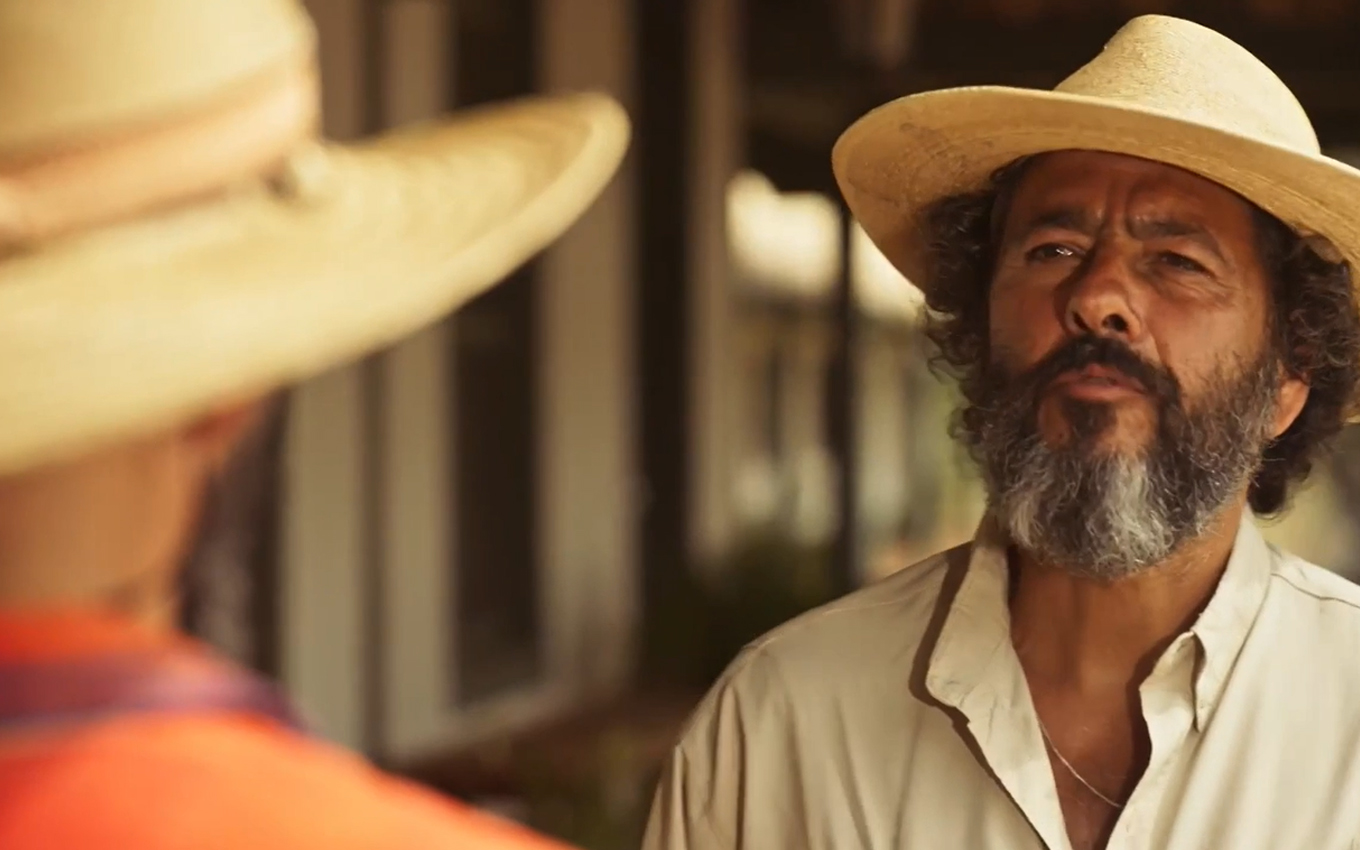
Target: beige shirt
column 899, row 717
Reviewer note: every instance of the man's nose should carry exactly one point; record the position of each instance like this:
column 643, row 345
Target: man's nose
column 1099, row 298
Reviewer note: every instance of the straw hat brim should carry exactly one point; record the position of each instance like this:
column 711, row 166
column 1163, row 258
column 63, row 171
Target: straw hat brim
column 900, row 158
column 132, row 328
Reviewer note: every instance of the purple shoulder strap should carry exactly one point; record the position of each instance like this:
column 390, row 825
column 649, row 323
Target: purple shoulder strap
column 35, row 696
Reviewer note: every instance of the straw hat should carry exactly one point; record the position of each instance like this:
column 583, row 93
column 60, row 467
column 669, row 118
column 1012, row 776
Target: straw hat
column 173, row 235
column 1163, row 89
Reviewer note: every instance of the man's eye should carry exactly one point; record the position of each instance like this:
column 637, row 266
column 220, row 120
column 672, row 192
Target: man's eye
column 1050, row 251
column 1181, row 262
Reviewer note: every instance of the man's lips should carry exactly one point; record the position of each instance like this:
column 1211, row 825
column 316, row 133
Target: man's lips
column 1097, row 381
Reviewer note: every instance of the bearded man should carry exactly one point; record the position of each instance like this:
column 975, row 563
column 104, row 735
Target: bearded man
column 1143, row 281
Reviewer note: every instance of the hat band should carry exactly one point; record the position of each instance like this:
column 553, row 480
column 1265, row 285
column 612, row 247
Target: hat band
column 242, row 138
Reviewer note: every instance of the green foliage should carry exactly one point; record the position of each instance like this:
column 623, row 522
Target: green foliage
column 716, row 610
column 606, row 813
column 708, row 616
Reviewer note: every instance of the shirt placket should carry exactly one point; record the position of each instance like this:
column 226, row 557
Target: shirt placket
column 975, row 669
column 1005, row 726
column 1168, row 709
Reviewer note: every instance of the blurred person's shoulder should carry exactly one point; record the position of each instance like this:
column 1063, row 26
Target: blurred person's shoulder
column 223, row 782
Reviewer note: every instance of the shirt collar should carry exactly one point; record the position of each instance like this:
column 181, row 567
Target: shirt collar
column 977, row 625
column 1222, row 627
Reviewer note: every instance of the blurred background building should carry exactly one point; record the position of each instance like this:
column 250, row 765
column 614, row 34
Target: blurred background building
column 507, row 555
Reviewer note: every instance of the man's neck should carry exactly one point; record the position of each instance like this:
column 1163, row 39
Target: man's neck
column 1080, row 634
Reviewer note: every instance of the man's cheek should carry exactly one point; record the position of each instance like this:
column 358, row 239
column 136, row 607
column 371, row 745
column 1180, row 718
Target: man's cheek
column 1016, row 357
column 1020, row 339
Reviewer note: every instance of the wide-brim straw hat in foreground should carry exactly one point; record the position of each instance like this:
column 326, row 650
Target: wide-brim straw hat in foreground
column 173, row 236
column 1163, row 89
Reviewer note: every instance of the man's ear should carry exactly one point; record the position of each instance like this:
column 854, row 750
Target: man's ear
column 215, row 436
column 1289, row 404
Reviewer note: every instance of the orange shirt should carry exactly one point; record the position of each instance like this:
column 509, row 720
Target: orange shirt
column 204, row 780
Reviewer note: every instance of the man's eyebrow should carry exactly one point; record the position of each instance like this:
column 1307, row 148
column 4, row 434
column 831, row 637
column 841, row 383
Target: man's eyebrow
column 1081, row 221
column 1060, row 218
column 1163, row 228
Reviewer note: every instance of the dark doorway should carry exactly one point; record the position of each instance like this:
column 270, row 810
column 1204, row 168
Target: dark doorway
column 495, row 459
column 662, row 126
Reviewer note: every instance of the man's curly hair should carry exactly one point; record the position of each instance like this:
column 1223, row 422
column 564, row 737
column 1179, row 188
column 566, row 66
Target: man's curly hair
column 1315, row 323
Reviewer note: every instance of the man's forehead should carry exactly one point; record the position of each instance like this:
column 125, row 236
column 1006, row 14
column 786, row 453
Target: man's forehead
column 1082, row 177
column 1077, row 190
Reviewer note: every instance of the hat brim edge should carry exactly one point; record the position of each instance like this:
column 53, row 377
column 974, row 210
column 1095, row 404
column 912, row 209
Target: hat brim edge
column 110, row 335
column 906, row 154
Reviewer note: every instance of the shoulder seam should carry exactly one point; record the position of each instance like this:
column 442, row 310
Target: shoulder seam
column 1321, row 597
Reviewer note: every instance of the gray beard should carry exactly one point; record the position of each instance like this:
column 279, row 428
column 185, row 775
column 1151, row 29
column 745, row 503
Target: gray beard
column 1107, row 515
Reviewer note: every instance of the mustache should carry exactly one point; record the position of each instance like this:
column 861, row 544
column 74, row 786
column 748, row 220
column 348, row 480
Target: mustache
column 1083, row 351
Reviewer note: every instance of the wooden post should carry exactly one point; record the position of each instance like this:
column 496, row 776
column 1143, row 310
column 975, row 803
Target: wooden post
column 843, row 419
column 662, row 150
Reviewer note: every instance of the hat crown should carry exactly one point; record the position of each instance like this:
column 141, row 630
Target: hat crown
column 1180, row 68
column 75, row 70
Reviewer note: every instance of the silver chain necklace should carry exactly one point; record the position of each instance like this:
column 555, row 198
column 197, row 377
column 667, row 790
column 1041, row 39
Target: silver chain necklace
column 1072, row 770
